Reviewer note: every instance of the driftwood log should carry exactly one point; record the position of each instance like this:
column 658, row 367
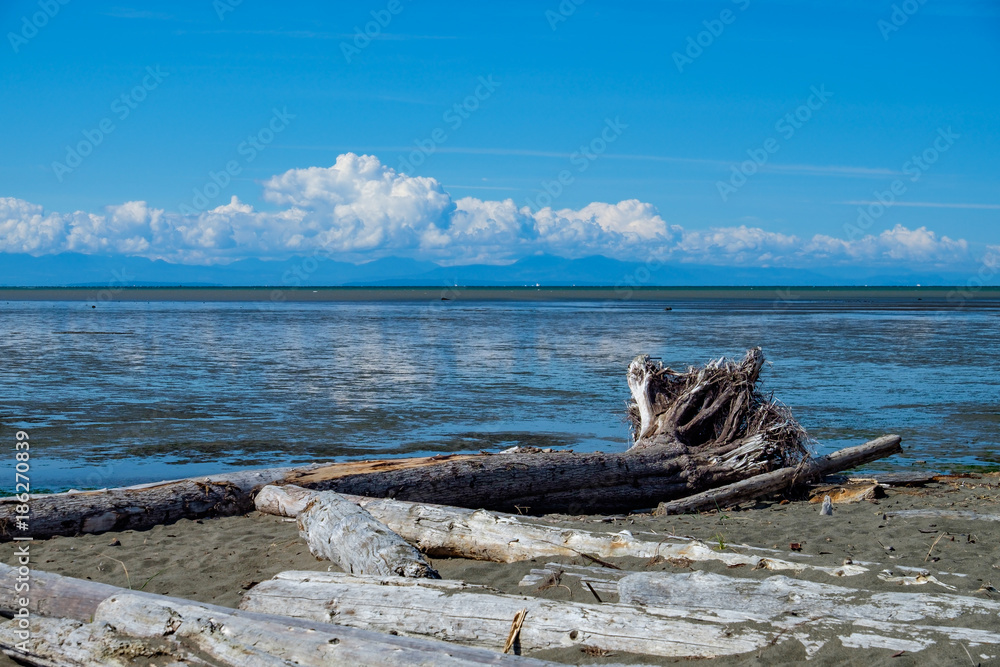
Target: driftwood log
column 75, row 620
column 815, row 613
column 769, row 483
column 694, row 615
column 694, row 431
column 454, row 532
column 338, row 530
column 469, row 616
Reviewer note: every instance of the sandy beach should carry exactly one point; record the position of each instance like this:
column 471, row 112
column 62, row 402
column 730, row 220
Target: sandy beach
column 216, row 560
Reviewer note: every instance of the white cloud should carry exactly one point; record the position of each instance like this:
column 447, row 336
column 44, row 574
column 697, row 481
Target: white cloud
column 360, row 209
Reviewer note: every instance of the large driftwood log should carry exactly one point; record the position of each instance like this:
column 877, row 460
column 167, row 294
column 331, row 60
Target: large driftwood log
column 448, row 532
column 126, row 627
column 56, row 596
column 696, row 430
column 768, row 483
column 760, row 600
column 338, row 530
column 442, row 610
column 655, row 621
column 141, row 506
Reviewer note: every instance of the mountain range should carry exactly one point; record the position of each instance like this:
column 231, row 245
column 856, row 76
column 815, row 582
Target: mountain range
column 79, row 270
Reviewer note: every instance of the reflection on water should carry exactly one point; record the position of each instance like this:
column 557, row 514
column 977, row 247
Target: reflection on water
column 135, row 390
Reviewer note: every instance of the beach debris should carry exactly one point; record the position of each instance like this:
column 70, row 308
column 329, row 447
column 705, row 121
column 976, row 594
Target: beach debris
column 846, row 493
column 455, row 532
column 515, row 630
column 827, row 508
column 340, row 531
column 889, row 576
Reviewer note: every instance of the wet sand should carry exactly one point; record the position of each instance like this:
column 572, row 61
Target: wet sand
column 216, row 560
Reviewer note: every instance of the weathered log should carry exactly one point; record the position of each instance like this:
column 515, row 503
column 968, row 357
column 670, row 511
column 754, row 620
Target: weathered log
column 656, row 620
column 60, row 642
column 56, row 596
column 761, row 600
column 428, row 608
column 141, row 506
column 338, row 530
column 453, row 532
column 778, row 480
column 129, row 626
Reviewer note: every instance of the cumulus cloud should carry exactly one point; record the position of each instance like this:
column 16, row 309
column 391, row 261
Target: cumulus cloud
column 359, row 209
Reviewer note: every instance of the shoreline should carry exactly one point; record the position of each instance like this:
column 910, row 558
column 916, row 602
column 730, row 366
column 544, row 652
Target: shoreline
column 774, row 297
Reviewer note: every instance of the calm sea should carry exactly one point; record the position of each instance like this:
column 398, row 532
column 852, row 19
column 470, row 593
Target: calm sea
column 128, row 392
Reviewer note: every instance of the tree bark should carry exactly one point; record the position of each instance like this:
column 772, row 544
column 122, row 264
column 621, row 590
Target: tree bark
column 56, row 596
column 778, row 480
column 338, row 530
column 453, row 532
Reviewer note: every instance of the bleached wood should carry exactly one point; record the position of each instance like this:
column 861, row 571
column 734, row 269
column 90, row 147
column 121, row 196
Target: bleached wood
column 639, row 378
column 889, row 619
column 420, row 607
column 672, row 627
column 761, row 599
column 775, row 596
column 441, row 531
column 54, row 595
column 58, row 642
column 338, row 530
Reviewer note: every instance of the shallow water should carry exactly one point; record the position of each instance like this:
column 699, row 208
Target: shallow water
column 132, row 392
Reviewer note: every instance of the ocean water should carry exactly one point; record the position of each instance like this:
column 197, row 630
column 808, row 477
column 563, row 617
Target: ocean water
column 130, row 392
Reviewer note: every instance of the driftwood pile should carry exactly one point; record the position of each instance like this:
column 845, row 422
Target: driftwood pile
column 703, row 438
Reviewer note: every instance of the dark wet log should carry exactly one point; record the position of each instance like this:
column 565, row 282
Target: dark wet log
column 779, row 480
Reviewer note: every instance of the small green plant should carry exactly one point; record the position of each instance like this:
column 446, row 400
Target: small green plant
column 722, row 542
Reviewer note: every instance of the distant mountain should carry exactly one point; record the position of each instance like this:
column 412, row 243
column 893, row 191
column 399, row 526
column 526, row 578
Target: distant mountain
column 71, row 269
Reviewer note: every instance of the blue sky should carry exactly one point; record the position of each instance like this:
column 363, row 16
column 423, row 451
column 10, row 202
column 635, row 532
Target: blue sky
column 667, row 123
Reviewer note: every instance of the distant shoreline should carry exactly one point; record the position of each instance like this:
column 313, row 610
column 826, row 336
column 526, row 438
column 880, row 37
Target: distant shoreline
column 779, row 296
